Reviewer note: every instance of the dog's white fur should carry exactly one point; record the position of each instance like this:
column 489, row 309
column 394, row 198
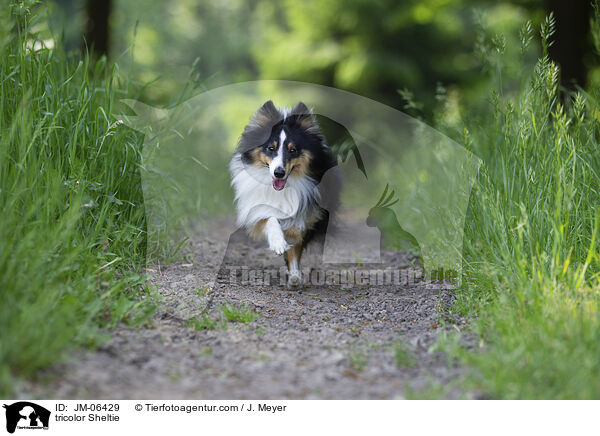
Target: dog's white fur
column 256, row 200
column 275, row 236
column 295, row 277
column 278, row 160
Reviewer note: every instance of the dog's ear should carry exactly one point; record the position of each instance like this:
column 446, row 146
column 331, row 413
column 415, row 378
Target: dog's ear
column 257, row 131
column 304, row 116
column 267, row 115
column 300, row 109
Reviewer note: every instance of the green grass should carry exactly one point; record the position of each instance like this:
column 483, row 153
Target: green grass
column 531, row 240
column 239, row 313
column 358, row 359
column 403, row 356
column 226, row 313
column 72, row 230
column 205, row 323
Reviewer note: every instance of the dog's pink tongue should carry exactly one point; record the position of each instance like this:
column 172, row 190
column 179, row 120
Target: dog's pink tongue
column 278, row 184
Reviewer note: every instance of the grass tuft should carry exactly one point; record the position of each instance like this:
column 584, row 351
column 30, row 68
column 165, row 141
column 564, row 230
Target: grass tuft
column 239, row 313
column 227, row 313
column 205, row 323
column 403, row 356
column 358, row 359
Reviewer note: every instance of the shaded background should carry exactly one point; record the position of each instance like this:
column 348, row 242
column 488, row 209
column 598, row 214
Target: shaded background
column 410, row 54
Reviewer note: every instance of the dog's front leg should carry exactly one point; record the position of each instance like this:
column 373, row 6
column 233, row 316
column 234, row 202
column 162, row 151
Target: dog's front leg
column 275, row 236
column 292, row 260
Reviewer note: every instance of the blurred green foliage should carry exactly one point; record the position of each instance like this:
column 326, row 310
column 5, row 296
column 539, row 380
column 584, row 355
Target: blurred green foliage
column 372, row 48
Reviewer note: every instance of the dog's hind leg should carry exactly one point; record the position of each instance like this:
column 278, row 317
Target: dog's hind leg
column 316, row 237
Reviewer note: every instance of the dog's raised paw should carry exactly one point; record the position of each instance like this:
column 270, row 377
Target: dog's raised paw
column 279, row 246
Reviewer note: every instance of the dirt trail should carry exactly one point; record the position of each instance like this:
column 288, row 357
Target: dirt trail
column 320, row 342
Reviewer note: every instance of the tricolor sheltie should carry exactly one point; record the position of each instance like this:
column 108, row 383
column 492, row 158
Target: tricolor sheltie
column 277, row 172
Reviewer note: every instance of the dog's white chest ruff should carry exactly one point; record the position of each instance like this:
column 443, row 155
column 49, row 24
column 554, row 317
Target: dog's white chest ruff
column 257, row 200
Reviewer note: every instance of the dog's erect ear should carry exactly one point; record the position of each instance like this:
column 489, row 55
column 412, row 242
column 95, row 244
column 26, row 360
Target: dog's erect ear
column 304, row 116
column 257, row 131
column 267, row 115
column 268, row 106
column 301, row 109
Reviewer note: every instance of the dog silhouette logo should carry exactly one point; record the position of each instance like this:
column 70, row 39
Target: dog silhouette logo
column 26, row 415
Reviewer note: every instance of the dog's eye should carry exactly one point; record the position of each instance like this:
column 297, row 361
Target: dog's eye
column 271, row 148
column 292, row 150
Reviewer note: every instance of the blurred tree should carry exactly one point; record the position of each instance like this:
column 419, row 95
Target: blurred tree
column 68, row 18
column 371, row 47
column 96, row 29
column 571, row 40
column 206, row 41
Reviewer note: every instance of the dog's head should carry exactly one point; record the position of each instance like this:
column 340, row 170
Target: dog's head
column 284, row 145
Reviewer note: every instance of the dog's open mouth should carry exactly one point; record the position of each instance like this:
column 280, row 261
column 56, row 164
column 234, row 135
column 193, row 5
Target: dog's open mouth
column 278, row 184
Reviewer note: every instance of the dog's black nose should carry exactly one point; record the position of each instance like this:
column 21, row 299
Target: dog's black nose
column 279, row 173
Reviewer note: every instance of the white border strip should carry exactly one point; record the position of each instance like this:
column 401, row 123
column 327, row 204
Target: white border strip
column 319, row 417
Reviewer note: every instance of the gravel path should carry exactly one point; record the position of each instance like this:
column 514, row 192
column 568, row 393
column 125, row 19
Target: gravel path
column 329, row 342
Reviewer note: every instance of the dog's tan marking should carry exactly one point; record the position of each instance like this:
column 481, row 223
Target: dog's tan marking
column 300, row 166
column 293, row 253
column 306, row 122
column 257, row 231
column 293, row 235
column 265, row 120
column 259, row 159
